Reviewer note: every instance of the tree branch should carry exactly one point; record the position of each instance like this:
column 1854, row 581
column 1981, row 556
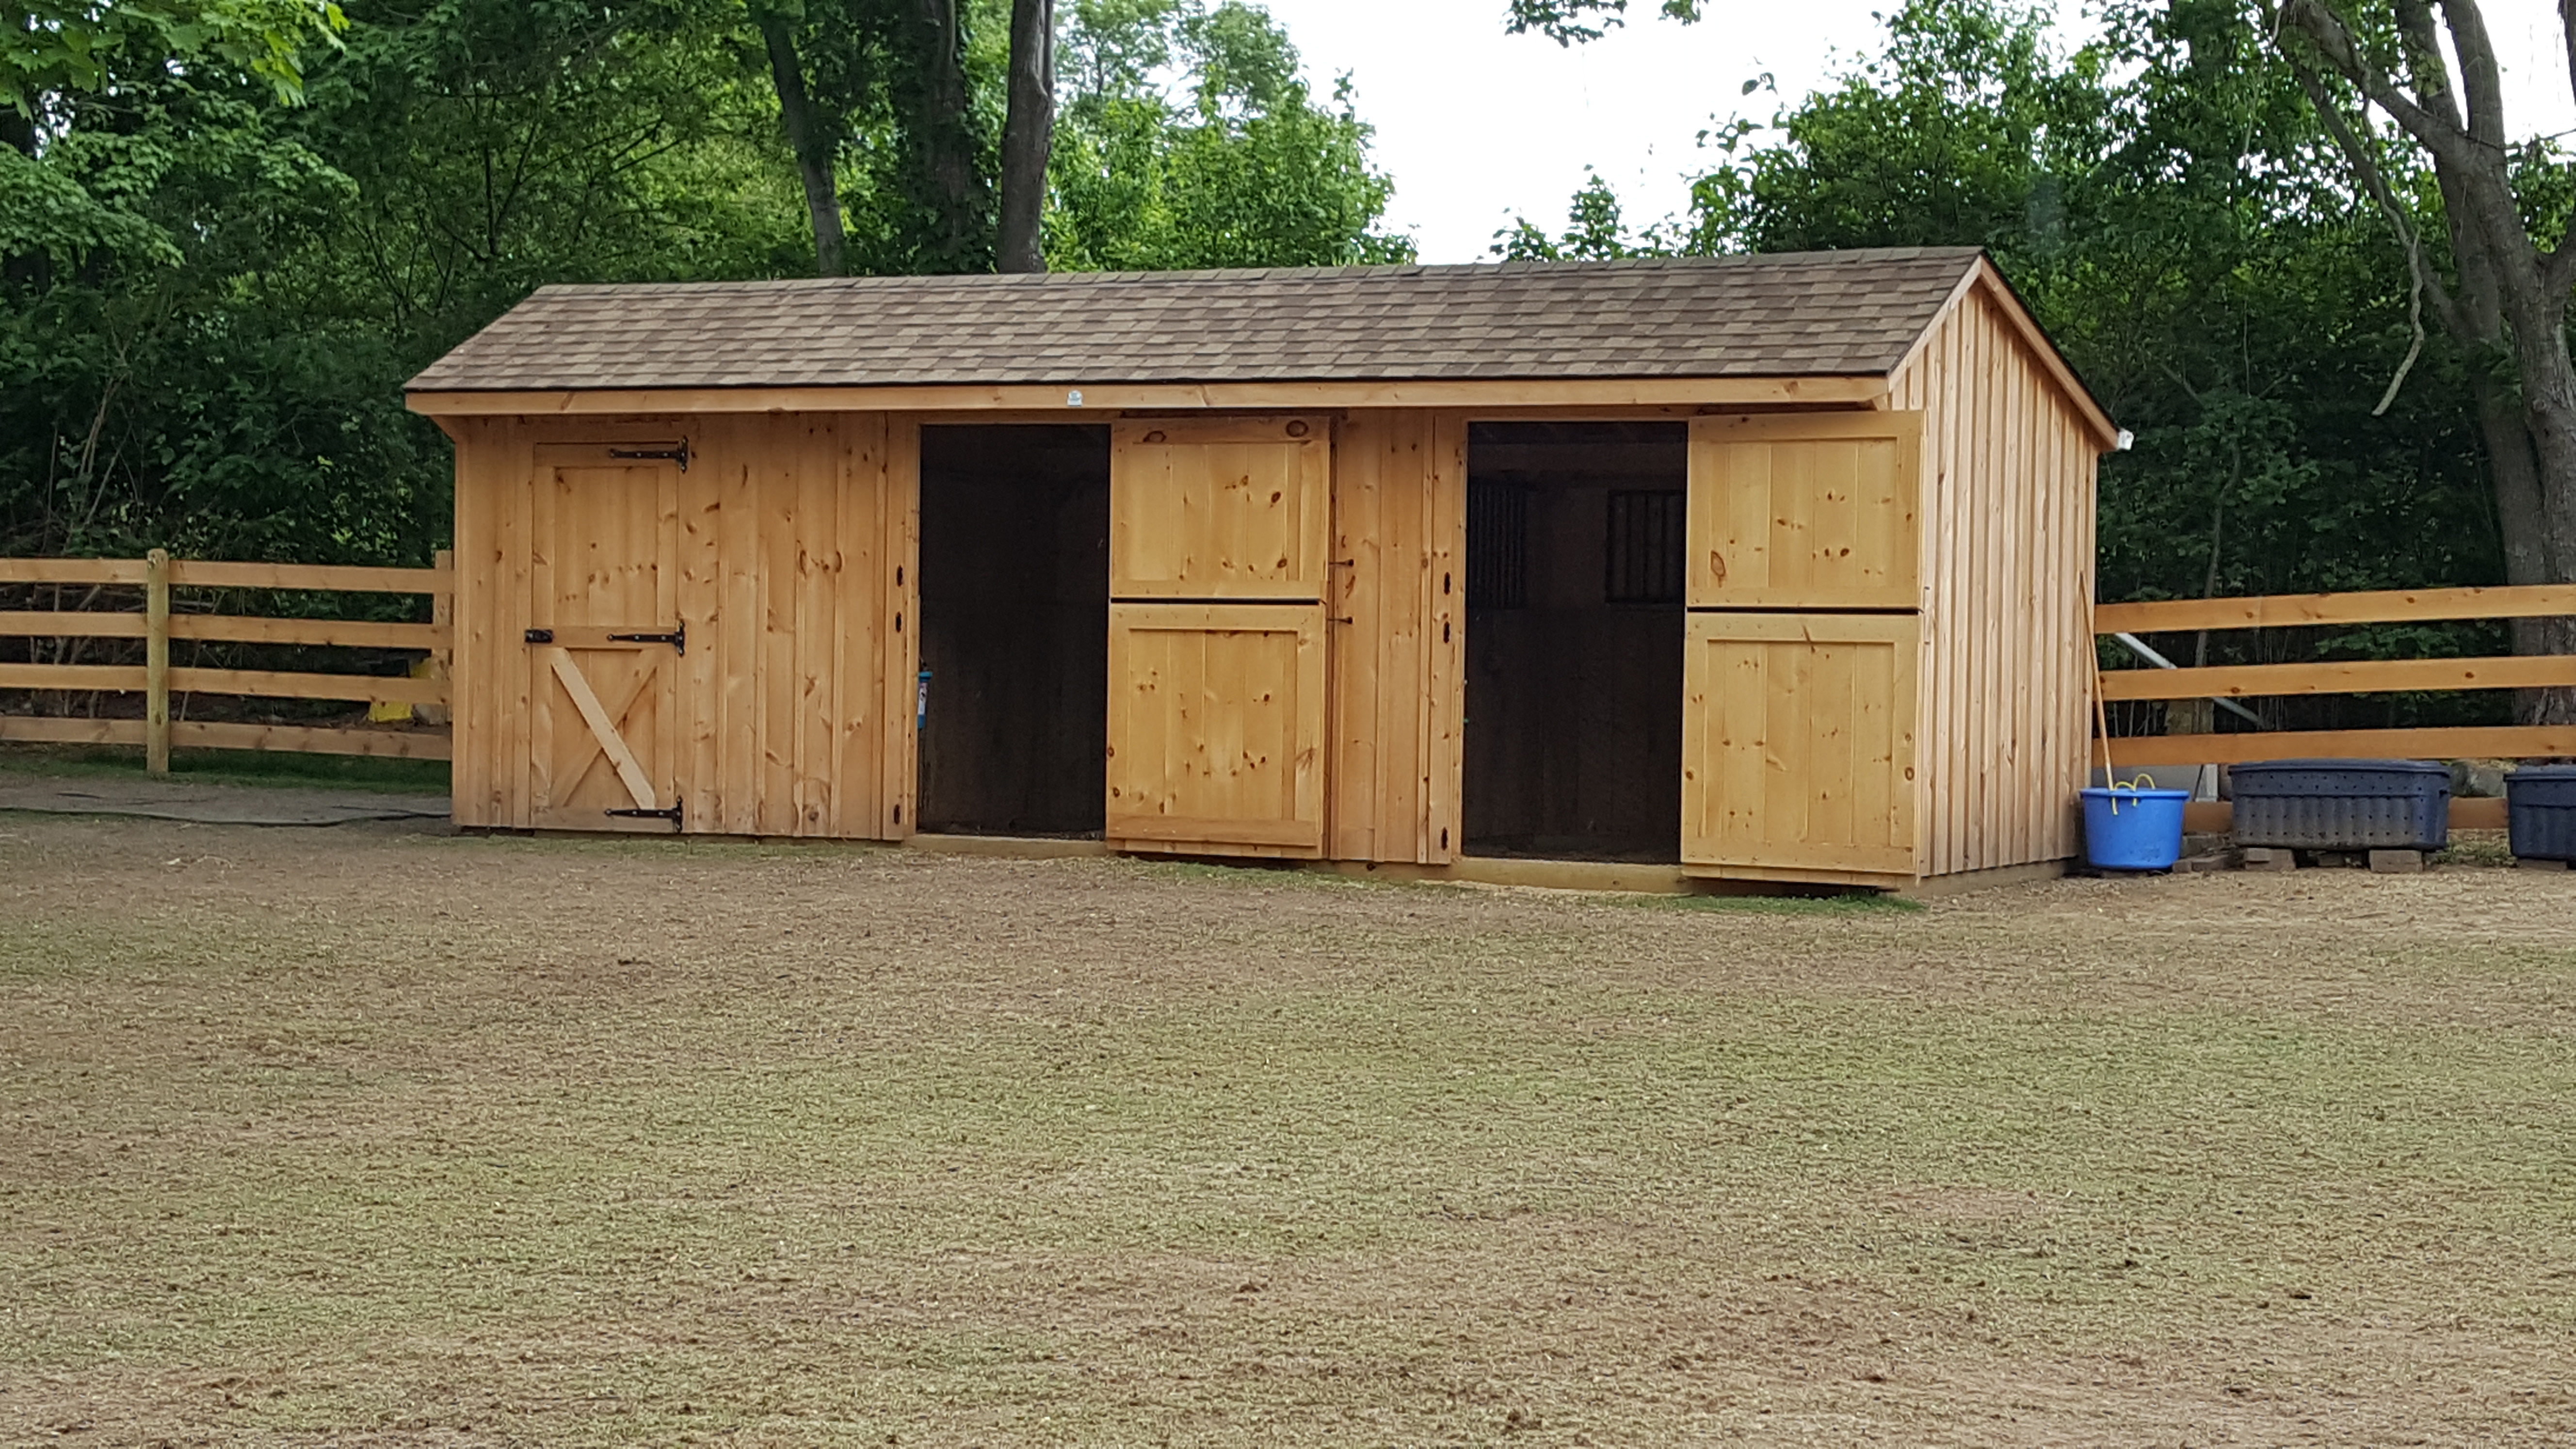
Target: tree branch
column 2479, row 74
column 2558, row 268
column 2567, row 36
column 2428, row 74
column 2333, row 41
column 2365, row 167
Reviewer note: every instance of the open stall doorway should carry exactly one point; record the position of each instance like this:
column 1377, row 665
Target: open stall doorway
column 1014, row 629
column 1574, row 639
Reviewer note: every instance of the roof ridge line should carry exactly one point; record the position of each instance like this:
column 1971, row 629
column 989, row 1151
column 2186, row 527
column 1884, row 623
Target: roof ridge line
column 1853, row 312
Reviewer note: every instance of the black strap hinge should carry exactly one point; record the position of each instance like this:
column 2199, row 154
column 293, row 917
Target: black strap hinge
column 672, row 815
column 678, row 639
column 679, row 454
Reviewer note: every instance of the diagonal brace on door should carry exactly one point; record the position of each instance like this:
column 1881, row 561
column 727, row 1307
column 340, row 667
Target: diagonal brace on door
column 602, row 728
column 615, row 707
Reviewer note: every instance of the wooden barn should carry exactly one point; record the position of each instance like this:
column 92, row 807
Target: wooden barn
column 1764, row 568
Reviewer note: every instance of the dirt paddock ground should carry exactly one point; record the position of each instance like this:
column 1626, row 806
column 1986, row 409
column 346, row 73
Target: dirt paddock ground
column 375, row 1135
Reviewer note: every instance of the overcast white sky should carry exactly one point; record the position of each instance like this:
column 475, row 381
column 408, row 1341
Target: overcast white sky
column 1476, row 125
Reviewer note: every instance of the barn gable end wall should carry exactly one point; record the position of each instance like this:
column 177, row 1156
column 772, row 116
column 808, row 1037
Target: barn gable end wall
column 2007, row 582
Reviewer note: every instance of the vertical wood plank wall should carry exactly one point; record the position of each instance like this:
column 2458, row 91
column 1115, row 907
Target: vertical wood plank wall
column 798, row 583
column 482, row 715
column 2007, row 578
column 1397, row 612
column 785, row 564
column 897, row 465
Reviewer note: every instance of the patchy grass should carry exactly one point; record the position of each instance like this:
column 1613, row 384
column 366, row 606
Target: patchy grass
column 233, row 767
column 371, row 1136
column 2476, row 847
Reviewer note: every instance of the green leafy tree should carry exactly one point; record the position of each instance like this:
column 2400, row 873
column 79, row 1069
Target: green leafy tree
column 2169, row 205
column 211, row 360
column 50, row 49
column 1190, row 139
column 227, row 240
column 1595, row 230
column 1570, row 22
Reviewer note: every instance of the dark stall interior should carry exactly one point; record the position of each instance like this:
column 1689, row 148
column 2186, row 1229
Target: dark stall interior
column 1014, row 629
column 1574, row 639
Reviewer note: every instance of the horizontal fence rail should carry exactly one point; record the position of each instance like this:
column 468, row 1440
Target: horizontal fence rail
column 2289, row 611
column 157, row 680
column 2341, row 676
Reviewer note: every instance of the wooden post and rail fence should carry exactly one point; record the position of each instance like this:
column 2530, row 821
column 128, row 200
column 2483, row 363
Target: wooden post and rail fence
column 2342, row 676
column 156, row 680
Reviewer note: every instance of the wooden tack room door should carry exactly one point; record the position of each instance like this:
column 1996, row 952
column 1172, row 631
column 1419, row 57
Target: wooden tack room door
column 605, row 640
column 1218, row 529
column 1802, row 647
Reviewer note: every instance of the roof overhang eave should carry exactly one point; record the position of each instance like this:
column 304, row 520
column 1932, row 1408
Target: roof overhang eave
column 1073, row 397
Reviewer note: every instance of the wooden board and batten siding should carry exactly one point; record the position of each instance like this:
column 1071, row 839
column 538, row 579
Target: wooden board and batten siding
column 1218, row 559
column 1399, row 638
column 782, row 549
column 2010, row 447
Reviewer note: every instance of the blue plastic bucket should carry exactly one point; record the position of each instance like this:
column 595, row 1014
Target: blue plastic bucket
column 2133, row 829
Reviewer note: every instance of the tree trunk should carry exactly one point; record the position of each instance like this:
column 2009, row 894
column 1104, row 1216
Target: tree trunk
column 2522, row 527
column 947, row 141
column 812, row 141
column 1028, row 135
column 2548, row 380
column 2512, row 299
column 2488, row 229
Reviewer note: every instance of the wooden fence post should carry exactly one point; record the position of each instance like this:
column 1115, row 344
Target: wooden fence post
column 156, row 662
column 442, row 615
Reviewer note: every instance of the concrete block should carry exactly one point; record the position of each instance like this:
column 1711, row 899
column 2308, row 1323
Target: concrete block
column 2270, row 857
column 2528, row 863
column 2396, row 862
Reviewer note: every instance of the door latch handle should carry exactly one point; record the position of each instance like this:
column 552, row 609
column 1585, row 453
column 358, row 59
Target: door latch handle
column 540, row 636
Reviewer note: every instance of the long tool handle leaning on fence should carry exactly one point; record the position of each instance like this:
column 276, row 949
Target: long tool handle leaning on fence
column 2102, row 719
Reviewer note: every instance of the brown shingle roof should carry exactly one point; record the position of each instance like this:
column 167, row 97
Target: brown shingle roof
column 1790, row 314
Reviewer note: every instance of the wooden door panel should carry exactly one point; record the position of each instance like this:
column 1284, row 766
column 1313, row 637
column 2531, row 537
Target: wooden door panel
column 1216, row 727
column 604, row 738
column 1798, row 743
column 603, row 561
column 1219, row 508
column 1805, row 511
